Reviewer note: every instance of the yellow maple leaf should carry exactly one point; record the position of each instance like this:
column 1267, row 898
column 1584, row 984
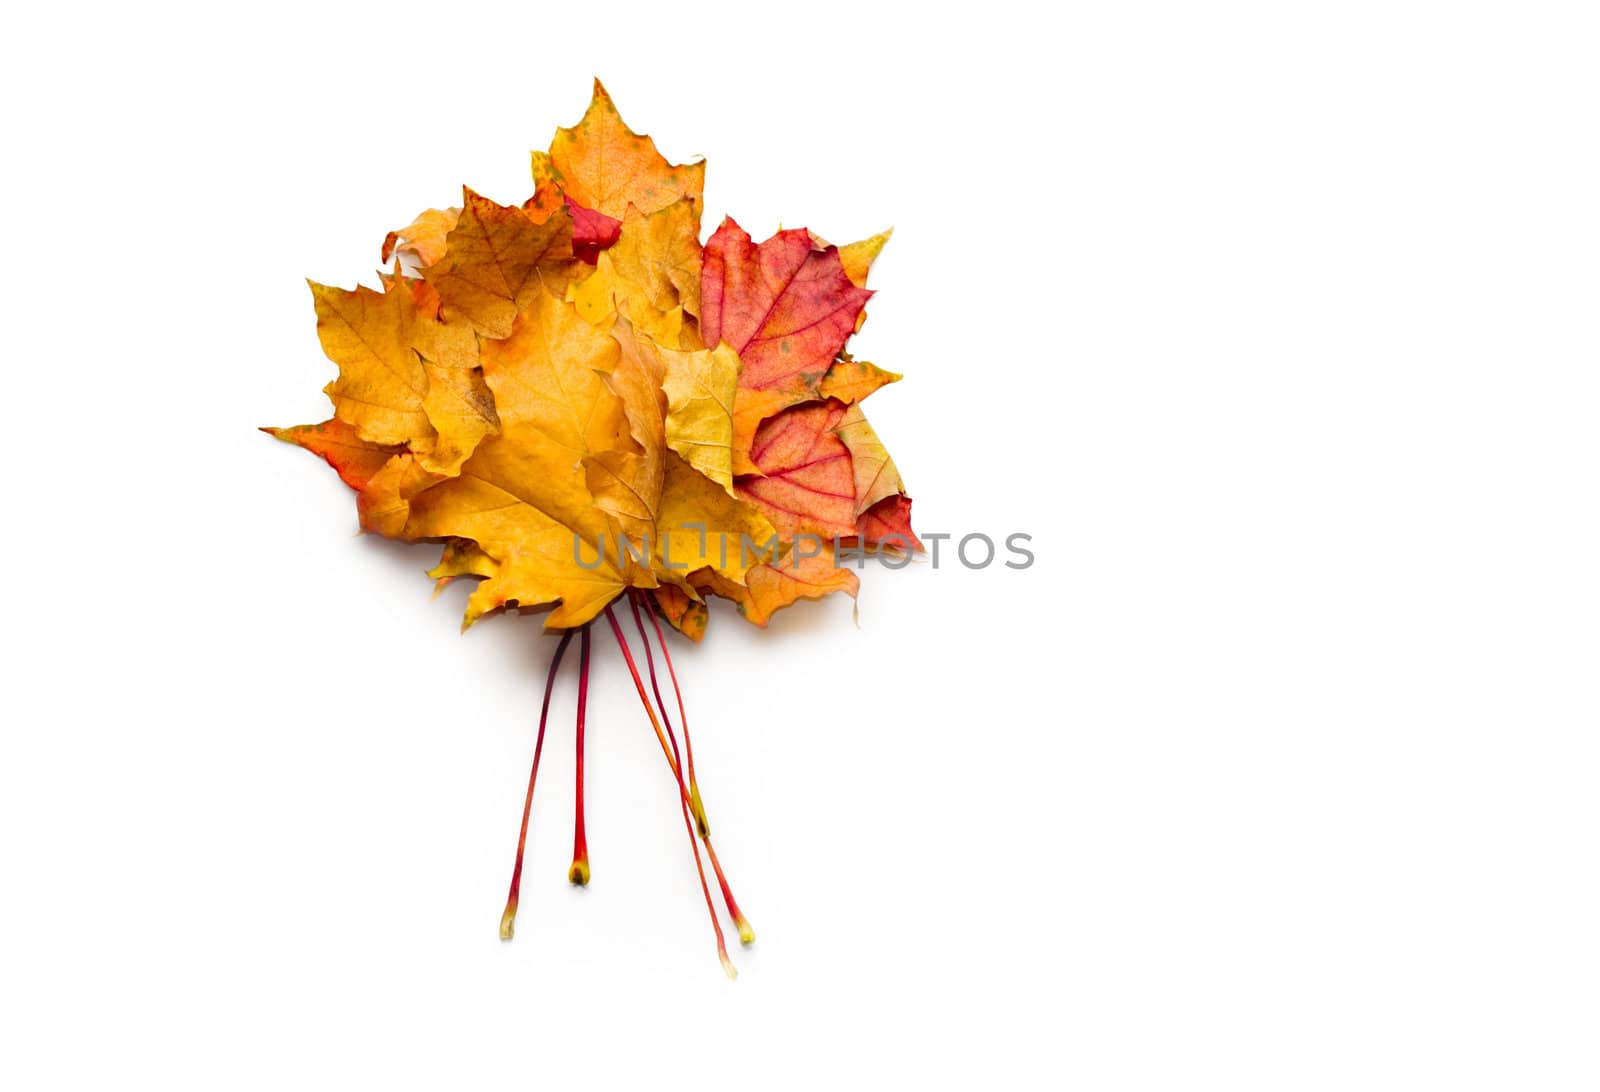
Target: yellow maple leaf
column 404, row 376
column 876, row 476
column 496, row 257
column 700, row 387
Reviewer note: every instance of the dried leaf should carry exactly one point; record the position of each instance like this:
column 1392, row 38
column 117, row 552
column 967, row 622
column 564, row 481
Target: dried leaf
column 687, row 616
column 875, row 474
column 404, row 376
column 602, row 164
column 785, row 306
column 423, row 237
column 701, row 526
column 805, row 484
column 888, row 522
column 627, row 483
column 576, row 397
column 356, row 460
column 853, row 380
column 769, row 587
column 496, row 257
column 700, row 388
column 857, row 258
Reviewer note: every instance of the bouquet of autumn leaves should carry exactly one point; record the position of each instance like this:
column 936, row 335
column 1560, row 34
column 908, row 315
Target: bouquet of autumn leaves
column 583, row 404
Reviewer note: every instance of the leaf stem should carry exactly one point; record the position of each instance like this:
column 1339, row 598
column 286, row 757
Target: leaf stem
column 579, row 872
column 509, row 918
column 747, row 935
column 655, row 688
column 683, row 792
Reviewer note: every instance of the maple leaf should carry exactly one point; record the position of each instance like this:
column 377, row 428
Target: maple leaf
column 585, row 406
column 772, row 585
column 496, row 257
column 603, row 165
column 404, row 376
column 876, row 476
column 687, row 616
column 857, row 257
column 592, row 231
column 888, row 523
column 805, row 485
column 547, row 195
column 424, row 236
column 522, row 496
column 703, row 529
column 461, row 557
column 627, row 483
column 356, row 461
column 822, row 469
column 700, row 388
column 785, row 305
column 656, row 262
column 852, row 380
column 658, row 257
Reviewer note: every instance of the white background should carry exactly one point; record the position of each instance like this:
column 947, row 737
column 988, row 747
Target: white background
column 1273, row 324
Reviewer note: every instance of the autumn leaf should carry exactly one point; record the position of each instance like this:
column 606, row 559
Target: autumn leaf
column 461, row 557
column 356, row 460
column 627, row 483
column 857, row 257
column 824, row 471
column 382, row 381
column 785, row 580
column 655, row 262
column 603, row 165
column 702, row 527
column 700, row 388
column 805, row 484
column 785, row 306
column 547, row 196
column 556, row 411
column 424, row 237
column 658, row 257
column 687, row 616
column 520, row 497
column 592, row 231
column 876, row 476
column 588, row 409
column 536, row 560
column 852, row 380
column 384, row 504
column 771, row 587
column 845, row 381
column 496, row 257
column 888, row 523
column 404, row 376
